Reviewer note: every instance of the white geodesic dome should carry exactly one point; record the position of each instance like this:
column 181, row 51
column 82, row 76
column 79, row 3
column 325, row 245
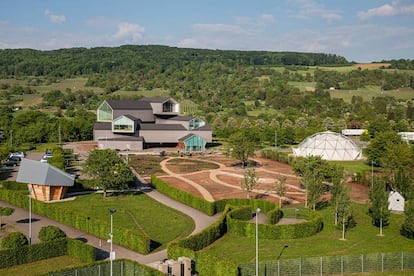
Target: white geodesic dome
column 329, row 146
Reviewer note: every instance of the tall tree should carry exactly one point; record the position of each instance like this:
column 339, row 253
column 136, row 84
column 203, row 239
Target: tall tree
column 407, row 229
column 243, row 143
column 344, row 209
column 280, row 188
column 249, row 181
column 313, row 171
column 379, row 204
column 108, row 170
column 337, row 189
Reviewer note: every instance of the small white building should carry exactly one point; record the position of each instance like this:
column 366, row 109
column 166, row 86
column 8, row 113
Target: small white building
column 353, row 132
column 396, row 202
column 407, row 136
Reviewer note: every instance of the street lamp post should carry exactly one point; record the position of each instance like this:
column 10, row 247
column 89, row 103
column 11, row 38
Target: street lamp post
column 30, row 216
column 111, row 236
column 257, row 243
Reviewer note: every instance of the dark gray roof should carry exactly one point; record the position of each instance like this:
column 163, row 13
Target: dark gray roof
column 186, row 137
column 155, row 100
column 162, row 127
column 133, row 118
column 206, row 127
column 124, row 138
column 102, row 126
column 129, row 104
column 36, row 172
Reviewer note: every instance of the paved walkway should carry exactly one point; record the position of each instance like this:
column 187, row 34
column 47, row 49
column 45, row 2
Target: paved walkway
column 20, row 221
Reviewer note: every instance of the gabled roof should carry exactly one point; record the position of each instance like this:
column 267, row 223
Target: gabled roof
column 162, row 127
column 129, row 104
column 36, row 172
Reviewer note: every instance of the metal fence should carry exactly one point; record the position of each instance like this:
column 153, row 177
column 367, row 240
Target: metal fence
column 119, row 268
column 333, row 265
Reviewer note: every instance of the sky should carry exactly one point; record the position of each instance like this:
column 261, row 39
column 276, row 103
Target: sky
column 359, row 30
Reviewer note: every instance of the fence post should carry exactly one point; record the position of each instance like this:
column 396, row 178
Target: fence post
column 300, row 267
column 278, row 267
column 362, row 263
column 382, row 262
column 321, row 266
column 402, row 261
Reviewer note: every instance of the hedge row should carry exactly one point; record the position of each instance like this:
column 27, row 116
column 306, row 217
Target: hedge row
column 46, row 250
column 311, row 226
column 137, row 241
column 209, row 208
column 32, row 253
column 80, row 250
column 183, row 197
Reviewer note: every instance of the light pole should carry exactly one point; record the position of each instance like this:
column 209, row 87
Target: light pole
column 111, row 236
column 257, row 243
column 30, row 216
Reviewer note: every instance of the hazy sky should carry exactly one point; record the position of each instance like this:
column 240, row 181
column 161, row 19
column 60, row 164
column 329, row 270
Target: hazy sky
column 359, row 30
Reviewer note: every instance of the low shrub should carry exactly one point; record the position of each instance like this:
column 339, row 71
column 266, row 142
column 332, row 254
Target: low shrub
column 51, row 233
column 14, row 240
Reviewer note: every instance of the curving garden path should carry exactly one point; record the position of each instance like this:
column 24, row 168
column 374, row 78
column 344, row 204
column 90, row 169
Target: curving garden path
column 216, row 175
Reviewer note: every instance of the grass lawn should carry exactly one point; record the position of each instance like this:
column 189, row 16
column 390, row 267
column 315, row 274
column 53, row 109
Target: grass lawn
column 363, row 238
column 41, row 267
column 136, row 212
column 354, row 166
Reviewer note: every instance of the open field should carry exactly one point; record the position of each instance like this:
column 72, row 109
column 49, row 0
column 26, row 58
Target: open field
column 41, row 267
column 372, row 91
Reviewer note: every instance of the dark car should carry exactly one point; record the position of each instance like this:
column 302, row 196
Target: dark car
column 11, row 164
column 14, row 158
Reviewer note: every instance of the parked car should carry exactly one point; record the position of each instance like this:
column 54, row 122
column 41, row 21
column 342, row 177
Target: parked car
column 19, row 154
column 11, row 164
column 14, row 158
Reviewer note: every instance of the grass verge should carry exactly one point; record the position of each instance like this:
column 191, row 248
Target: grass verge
column 41, row 267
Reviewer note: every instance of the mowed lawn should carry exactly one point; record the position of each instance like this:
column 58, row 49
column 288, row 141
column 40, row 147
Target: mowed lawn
column 136, row 212
column 363, row 238
column 41, row 267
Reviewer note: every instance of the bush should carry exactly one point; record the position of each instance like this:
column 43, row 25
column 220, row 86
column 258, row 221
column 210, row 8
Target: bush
column 51, row 233
column 14, row 240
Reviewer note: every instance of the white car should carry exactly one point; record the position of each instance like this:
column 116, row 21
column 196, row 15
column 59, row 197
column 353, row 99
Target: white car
column 45, row 158
column 17, row 154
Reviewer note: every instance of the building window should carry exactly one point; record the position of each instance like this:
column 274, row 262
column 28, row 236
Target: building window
column 104, row 112
column 168, row 107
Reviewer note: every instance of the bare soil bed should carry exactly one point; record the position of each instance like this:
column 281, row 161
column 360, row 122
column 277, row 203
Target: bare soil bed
column 224, row 181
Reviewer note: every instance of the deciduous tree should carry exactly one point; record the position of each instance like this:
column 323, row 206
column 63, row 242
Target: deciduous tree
column 108, row 170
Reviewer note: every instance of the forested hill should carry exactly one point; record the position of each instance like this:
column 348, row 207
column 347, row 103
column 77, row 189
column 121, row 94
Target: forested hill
column 83, row 61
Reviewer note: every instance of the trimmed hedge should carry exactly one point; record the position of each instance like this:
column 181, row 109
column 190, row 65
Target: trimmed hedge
column 46, row 250
column 137, row 241
column 32, row 253
column 80, row 250
column 184, row 197
column 308, row 228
